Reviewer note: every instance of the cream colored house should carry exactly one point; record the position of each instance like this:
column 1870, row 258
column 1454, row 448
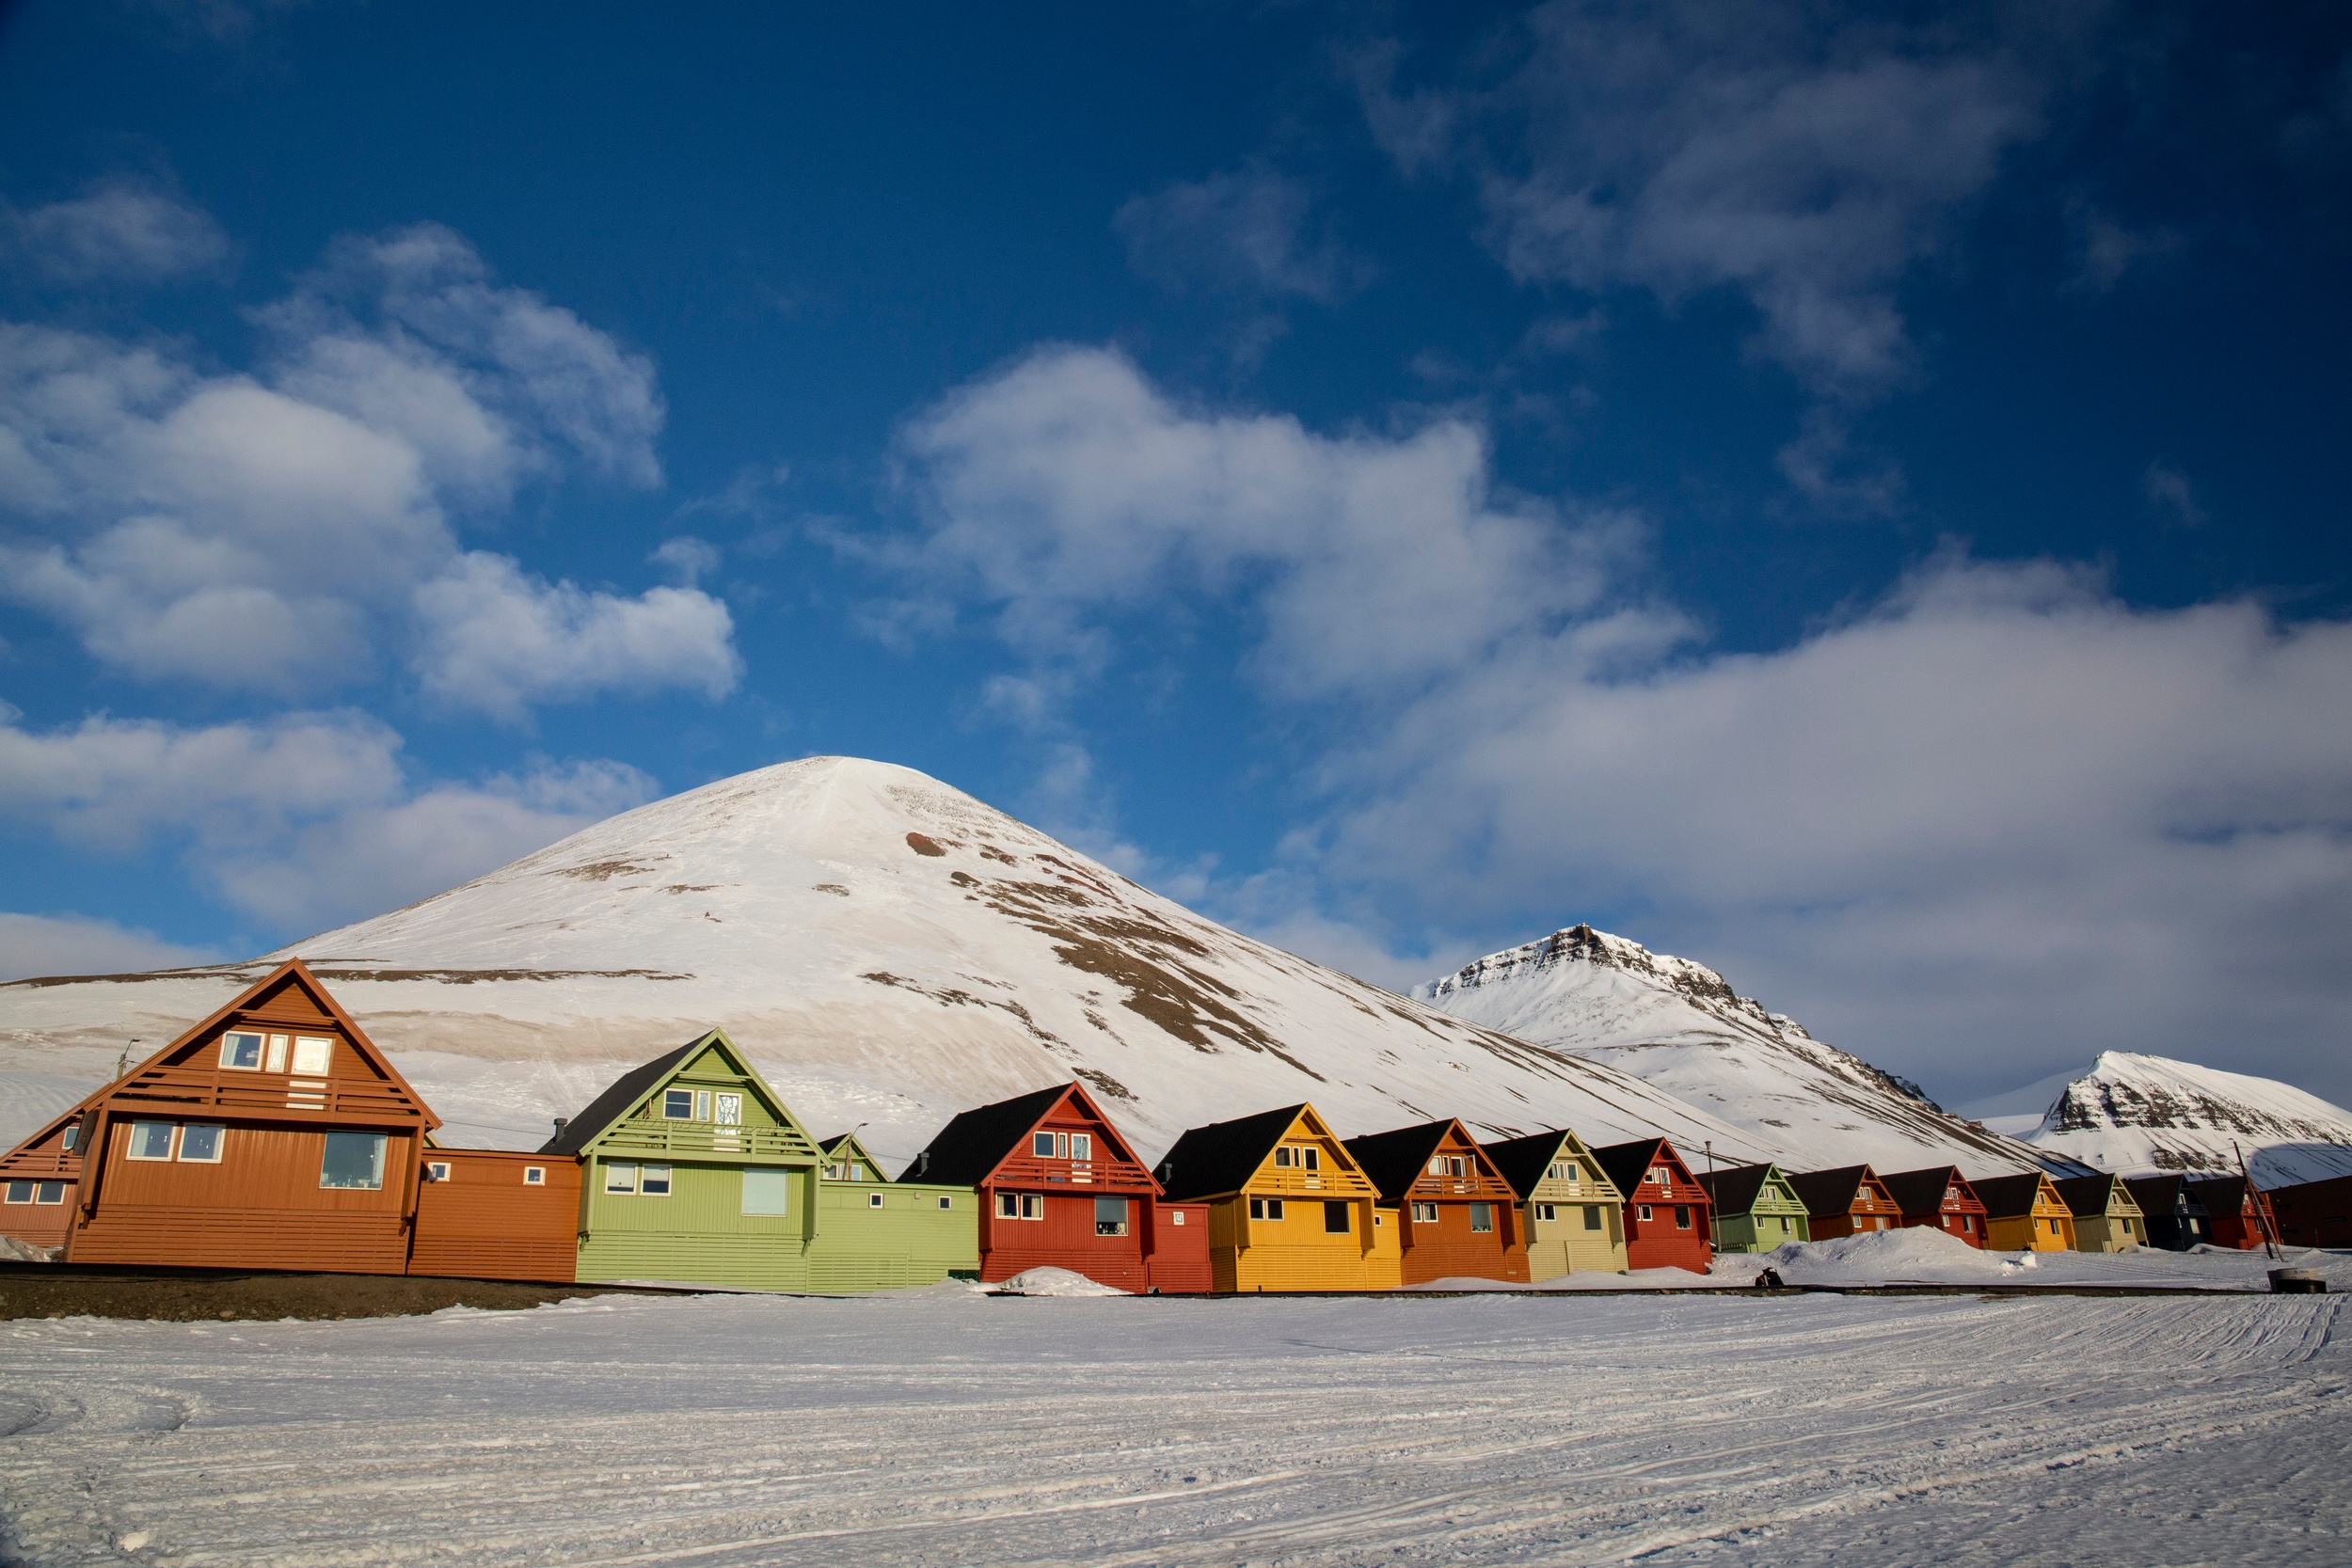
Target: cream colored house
column 1572, row 1214
column 2107, row 1219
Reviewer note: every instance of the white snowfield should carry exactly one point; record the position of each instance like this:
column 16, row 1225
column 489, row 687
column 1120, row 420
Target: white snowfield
column 944, row 1427
column 1679, row 1026
column 890, row 951
column 2135, row 1115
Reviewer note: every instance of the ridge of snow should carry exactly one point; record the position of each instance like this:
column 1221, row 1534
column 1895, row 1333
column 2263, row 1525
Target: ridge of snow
column 1680, row 1027
column 2140, row 1115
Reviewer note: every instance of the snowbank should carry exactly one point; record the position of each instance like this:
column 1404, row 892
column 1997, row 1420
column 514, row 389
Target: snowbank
column 1055, row 1282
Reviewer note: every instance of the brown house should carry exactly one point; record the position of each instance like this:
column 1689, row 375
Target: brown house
column 1455, row 1215
column 2314, row 1213
column 1941, row 1197
column 490, row 1215
column 38, row 1178
column 1847, row 1201
column 274, row 1134
column 2238, row 1214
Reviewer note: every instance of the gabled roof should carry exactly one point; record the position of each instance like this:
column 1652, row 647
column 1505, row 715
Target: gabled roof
column 2223, row 1195
column 846, row 1148
column 1395, row 1160
column 1830, row 1192
column 1523, row 1161
column 2008, row 1196
column 2166, row 1194
column 1921, row 1191
column 1737, row 1189
column 1627, row 1163
column 2090, row 1195
column 968, row 1149
column 633, row 1087
column 1221, row 1157
column 48, row 1130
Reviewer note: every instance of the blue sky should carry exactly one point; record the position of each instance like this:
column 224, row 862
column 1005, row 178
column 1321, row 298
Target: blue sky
column 1854, row 496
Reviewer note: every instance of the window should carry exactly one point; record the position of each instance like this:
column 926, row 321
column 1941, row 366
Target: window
column 1658, row 1177
column 620, row 1176
column 1019, row 1206
column 1557, row 1171
column 437, row 1170
column 241, row 1051
column 1643, row 1210
column 2053, row 1224
column 1482, row 1217
column 1282, row 1153
column 1788, row 1225
column 354, row 1160
column 1437, row 1166
column 1265, row 1207
column 1335, row 1218
column 767, row 1191
column 1425, row 1213
column 1311, row 1158
column 655, row 1182
column 873, row 1201
column 1967, row 1225
column 678, row 1105
column 1682, row 1216
column 1456, row 1165
column 1951, row 1195
column 200, row 1142
column 20, row 1192
column 1176, row 1216
column 946, row 1202
column 1110, row 1215
column 730, row 1110
column 150, row 1140
column 534, row 1176
column 1082, row 1146
column 1546, row 1211
column 73, row 1137
column 312, row 1054
column 1592, row 1216
column 2127, row 1227
column 278, row 1046
column 53, row 1192
column 1293, row 1157
column 1041, row 1145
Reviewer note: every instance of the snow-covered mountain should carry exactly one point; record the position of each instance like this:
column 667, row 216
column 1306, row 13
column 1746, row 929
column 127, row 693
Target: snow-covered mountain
column 1679, row 1026
column 890, row 950
column 2136, row 1115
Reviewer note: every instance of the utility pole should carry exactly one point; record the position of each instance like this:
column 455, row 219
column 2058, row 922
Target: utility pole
column 2262, row 1210
column 122, row 1063
column 1714, row 1210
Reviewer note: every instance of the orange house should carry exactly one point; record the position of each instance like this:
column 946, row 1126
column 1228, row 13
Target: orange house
column 274, row 1134
column 1455, row 1215
column 38, row 1178
column 486, row 1213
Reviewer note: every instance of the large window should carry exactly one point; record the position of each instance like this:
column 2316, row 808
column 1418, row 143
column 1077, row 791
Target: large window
column 1110, row 1215
column 313, row 1055
column 241, row 1049
column 1265, row 1207
column 767, row 1191
column 152, row 1140
column 353, row 1159
column 201, row 1142
column 654, row 1181
column 620, row 1176
column 1682, row 1216
column 1482, row 1217
column 1592, row 1216
column 1425, row 1213
column 1335, row 1217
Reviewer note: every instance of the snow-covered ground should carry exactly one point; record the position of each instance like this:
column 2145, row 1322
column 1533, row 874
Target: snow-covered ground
column 941, row 1426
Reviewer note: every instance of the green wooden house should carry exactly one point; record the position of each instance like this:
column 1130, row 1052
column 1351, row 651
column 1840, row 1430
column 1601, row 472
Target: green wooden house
column 873, row 1233
column 1757, row 1208
column 696, row 1170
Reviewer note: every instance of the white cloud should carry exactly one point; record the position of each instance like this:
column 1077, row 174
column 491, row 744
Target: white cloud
column 1246, row 232
column 34, row 944
column 119, row 230
column 687, row 559
column 1807, row 163
column 2171, row 497
column 495, row 638
column 283, row 532
column 298, row 820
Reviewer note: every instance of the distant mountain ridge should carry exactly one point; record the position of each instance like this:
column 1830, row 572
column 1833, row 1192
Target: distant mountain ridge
column 2136, row 1115
column 1680, row 1027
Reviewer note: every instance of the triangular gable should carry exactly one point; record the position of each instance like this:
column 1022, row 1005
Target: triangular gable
column 1307, row 1125
column 1739, row 1189
column 976, row 1147
column 1396, row 1159
column 1921, row 1192
column 2020, row 1197
column 844, row 1149
column 1629, row 1163
column 288, row 999
column 609, row 1115
column 1227, row 1157
column 44, row 1153
column 1525, row 1161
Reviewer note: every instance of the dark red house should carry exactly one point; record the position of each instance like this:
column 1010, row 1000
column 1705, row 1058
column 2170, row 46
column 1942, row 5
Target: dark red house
column 1457, row 1214
column 2314, row 1213
column 2238, row 1214
column 1938, row 1197
column 1668, row 1219
column 1060, row 1188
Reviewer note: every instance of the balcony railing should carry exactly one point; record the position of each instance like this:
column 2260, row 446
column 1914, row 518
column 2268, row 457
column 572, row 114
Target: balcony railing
column 703, row 1140
column 180, row 1090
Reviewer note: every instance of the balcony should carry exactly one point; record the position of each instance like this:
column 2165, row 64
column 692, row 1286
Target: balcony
column 703, row 1140
column 277, row 1096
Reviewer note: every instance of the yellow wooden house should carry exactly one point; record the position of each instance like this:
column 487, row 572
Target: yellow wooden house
column 2025, row 1213
column 1289, row 1209
column 1571, row 1213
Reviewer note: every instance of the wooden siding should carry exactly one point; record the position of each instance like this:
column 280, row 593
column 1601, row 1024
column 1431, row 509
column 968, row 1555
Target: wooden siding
column 37, row 1179
column 908, row 1240
column 1063, row 1238
column 2314, row 1214
column 698, row 1232
column 2049, row 1227
column 1663, row 1241
column 484, row 1221
column 1179, row 1263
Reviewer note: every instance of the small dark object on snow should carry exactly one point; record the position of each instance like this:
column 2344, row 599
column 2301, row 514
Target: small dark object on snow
column 1770, row 1280
column 2307, row 1282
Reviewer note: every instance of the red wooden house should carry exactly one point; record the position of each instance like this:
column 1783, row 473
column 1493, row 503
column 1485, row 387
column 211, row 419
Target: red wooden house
column 273, row 1134
column 1668, row 1218
column 36, row 1179
column 1846, row 1202
column 2314, row 1213
column 486, row 1213
column 1457, row 1214
column 1060, row 1188
column 1938, row 1197
column 2238, row 1212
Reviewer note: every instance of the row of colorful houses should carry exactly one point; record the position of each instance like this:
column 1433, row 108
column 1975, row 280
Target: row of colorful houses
column 275, row 1134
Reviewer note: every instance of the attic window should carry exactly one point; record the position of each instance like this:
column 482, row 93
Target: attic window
column 534, row 1176
column 312, row 1054
column 241, row 1051
column 686, row 1104
column 1082, row 1146
column 1658, row 1177
column 1041, row 1145
column 1437, row 1166
column 1558, row 1171
column 73, row 1137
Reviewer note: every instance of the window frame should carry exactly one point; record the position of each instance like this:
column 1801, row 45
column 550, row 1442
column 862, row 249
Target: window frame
column 220, row 1143
column 437, row 1170
column 534, row 1176
column 1340, row 1208
column 327, row 1062
column 873, row 1201
column 1592, row 1217
column 1120, row 1226
column 1641, row 1213
column 1041, row 1145
column 138, row 1132
column 1420, row 1217
column 645, row 1179
column 1268, row 1210
column 30, row 1189
column 1081, row 1147
column 1548, row 1212
column 612, row 1169
column 670, row 1099
column 383, row 1150
column 1487, row 1215
column 946, row 1201
column 46, row 1188
column 261, row 1047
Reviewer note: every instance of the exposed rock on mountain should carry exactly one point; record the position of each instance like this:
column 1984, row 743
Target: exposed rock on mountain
column 2135, row 1115
column 1679, row 1026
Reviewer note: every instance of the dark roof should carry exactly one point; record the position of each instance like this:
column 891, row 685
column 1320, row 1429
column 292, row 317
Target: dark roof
column 1921, row 1191
column 1734, row 1189
column 1523, row 1161
column 2165, row 1194
column 614, row 1103
column 1221, row 1157
column 1828, row 1192
column 1395, row 1159
column 2223, row 1195
column 1627, row 1164
column 2008, row 1196
column 2085, row 1194
column 978, row 1140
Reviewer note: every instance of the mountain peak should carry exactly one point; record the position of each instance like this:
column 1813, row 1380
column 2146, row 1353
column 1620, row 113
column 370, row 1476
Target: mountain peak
column 2133, row 1113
